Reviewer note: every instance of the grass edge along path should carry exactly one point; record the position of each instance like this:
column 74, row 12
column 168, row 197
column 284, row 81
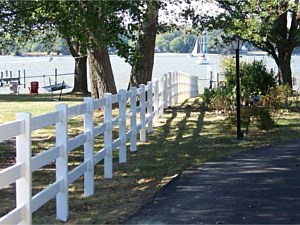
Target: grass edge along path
column 186, row 137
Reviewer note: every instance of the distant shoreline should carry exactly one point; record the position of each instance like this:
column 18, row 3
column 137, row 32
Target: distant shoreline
column 36, row 54
column 257, row 53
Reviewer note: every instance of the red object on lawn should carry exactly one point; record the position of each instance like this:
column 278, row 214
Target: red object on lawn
column 34, row 87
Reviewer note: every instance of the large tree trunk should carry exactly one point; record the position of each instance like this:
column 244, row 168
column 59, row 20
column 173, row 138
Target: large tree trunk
column 80, row 78
column 101, row 74
column 285, row 44
column 142, row 68
column 80, row 70
column 284, row 67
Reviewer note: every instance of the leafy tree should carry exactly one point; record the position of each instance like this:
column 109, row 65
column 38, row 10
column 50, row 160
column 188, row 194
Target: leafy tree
column 142, row 64
column 60, row 46
column 88, row 26
column 272, row 26
column 176, row 45
column 40, row 22
column 76, row 22
column 162, row 43
column 182, row 44
column 216, row 43
column 97, row 26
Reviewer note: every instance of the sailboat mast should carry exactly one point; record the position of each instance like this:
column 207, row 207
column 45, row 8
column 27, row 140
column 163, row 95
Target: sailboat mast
column 204, row 44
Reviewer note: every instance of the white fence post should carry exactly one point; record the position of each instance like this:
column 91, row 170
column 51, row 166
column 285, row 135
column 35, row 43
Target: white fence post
column 176, row 87
column 173, row 88
column 195, row 86
column 133, row 127
column 150, row 107
column 170, row 88
column 122, row 126
column 23, row 155
column 143, row 113
column 182, row 89
column 190, row 86
column 62, row 200
column 165, row 91
column 182, row 78
column 89, row 148
column 161, row 96
column 108, row 162
column 156, row 101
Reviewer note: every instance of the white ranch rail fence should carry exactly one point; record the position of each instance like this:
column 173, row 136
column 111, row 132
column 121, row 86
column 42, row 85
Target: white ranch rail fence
column 153, row 98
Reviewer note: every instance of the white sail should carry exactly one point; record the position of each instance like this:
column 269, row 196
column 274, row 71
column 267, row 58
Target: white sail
column 196, row 49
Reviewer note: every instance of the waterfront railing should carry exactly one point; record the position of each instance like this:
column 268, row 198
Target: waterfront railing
column 6, row 78
column 146, row 105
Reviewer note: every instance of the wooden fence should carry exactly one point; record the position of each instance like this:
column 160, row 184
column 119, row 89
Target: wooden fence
column 153, row 98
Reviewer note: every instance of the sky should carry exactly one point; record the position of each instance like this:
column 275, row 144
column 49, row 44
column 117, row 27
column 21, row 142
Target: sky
column 173, row 10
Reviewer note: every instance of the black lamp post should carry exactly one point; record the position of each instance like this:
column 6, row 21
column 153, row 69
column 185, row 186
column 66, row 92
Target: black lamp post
column 237, row 43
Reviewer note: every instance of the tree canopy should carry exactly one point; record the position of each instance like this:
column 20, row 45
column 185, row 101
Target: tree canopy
column 86, row 25
column 272, row 26
column 91, row 26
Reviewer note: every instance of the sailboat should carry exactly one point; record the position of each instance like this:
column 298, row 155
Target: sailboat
column 200, row 50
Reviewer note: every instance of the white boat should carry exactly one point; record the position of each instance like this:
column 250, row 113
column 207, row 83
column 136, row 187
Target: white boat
column 202, row 60
column 200, row 50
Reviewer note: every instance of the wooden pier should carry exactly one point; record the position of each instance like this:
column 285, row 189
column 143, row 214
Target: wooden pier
column 8, row 81
column 5, row 81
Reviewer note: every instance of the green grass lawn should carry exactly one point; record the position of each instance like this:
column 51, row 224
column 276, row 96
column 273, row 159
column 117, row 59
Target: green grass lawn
column 35, row 104
column 186, row 137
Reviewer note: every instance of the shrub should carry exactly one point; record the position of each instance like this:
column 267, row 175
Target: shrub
column 223, row 99
column 254, row 77
column 259, row 116
column 207, row 96
column 218, row 98
column 278, row 97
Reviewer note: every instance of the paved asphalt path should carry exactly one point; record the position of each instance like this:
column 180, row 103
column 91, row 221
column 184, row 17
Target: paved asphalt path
column 260, row 186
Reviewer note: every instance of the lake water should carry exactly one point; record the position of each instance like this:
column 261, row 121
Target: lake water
column 40, row 68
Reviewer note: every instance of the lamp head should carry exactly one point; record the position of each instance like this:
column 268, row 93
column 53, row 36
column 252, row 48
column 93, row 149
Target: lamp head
column 237, row 42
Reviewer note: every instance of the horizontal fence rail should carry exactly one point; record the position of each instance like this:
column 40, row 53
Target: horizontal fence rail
column 131, row 122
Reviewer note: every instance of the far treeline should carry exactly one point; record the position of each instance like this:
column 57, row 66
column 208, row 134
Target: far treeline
column 175, row 41
column 170, row 42
column 135, row 28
